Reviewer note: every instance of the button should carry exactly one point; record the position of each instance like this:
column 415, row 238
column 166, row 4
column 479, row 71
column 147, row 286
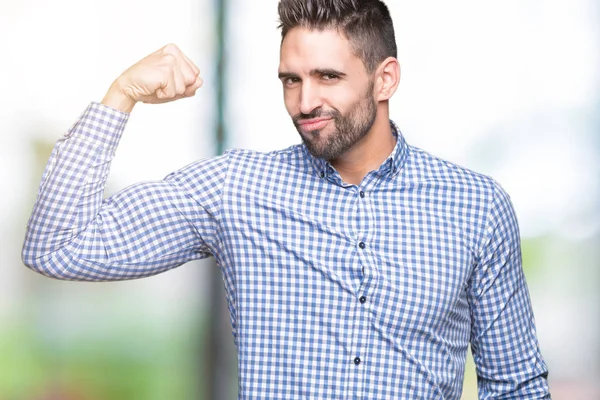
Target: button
column 357, row 361
column 362, row 299
column 362, row 245
column 322, row 175
column 362, row 194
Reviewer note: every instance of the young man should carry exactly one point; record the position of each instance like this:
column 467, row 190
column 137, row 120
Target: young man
column 355, row 265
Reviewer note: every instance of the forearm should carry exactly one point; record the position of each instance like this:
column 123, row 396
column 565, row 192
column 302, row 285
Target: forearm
column 71, row 190
column 507, row 354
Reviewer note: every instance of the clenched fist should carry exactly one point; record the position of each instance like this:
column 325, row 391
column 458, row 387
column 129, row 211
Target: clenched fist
column 160, row 77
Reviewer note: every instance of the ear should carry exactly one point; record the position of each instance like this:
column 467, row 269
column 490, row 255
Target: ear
column 388, row 78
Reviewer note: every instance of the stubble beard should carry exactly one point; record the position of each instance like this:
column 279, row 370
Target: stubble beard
column 350, row 128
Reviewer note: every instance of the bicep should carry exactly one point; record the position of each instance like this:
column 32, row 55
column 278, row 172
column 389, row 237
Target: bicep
column 143, row 230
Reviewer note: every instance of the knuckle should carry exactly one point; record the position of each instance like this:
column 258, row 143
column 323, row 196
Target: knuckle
column 169, row 58
column 189, row 79
column 171, row 48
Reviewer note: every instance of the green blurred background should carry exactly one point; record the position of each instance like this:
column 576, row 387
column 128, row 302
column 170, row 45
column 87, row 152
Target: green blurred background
column 510, row 89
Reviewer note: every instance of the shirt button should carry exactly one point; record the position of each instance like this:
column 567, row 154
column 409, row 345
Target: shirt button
column 357, row 361
column 362, row 194
column 322, row 175
column 362, row 245
column 362, row 299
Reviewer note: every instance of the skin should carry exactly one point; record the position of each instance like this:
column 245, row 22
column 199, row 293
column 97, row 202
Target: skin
column 332, row 98
column 161, row 77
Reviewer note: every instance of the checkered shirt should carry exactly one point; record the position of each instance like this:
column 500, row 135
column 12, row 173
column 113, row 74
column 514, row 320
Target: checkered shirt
column 336, row 291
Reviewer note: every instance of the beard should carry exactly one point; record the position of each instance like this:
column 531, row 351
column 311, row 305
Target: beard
column 350, row 127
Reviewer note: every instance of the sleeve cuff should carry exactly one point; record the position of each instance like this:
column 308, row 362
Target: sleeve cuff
column 101, row 125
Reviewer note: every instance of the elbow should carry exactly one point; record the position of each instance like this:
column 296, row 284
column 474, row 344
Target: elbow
column 50, row 256
column 29, row 258
column 42, row 264
column 63, row 265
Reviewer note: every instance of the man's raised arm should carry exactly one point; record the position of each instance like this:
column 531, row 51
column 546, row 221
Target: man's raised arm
column 73, row 233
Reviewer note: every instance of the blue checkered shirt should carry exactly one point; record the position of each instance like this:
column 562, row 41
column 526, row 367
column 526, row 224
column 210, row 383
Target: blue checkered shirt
column 336, row 291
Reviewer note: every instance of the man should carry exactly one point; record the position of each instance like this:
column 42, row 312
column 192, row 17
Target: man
column 355, row 265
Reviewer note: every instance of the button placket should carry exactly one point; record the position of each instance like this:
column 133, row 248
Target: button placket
column 362, row 336
column 360, row 346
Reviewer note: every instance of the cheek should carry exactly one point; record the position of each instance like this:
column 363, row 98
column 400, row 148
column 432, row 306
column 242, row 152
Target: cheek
column 339, row 98
column 342, row 104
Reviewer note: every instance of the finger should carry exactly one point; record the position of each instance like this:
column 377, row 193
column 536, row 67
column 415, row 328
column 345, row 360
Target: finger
column 193, row 66
column 191, row 89
column 189, row 77
column 167, row 88
column 183, row 64
column 179, row 82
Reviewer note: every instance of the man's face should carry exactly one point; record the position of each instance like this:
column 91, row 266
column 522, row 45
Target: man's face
column 327, row 91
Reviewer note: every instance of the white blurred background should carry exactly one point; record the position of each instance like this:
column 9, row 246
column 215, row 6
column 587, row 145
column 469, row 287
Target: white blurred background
column 510, row 89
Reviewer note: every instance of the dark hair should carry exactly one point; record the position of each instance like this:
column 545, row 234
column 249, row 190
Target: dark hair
column 366, row 23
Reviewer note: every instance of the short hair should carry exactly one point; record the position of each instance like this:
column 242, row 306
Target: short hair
column 366, row 23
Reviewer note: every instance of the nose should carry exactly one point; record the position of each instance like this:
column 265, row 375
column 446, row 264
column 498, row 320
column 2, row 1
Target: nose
column 310, row 98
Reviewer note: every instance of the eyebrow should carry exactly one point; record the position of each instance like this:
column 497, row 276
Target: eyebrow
column 313, row 72
column 327, row 71
column 286, row 75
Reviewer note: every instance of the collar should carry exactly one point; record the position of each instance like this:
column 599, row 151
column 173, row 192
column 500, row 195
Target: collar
column 390, row 167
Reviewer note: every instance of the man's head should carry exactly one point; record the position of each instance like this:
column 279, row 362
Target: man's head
column 337, row 64
column 367, row 24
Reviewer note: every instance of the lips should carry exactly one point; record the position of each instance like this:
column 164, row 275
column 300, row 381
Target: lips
column 313, row 124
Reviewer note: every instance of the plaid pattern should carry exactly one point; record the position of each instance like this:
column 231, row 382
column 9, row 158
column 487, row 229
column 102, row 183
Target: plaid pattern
column 336, row 291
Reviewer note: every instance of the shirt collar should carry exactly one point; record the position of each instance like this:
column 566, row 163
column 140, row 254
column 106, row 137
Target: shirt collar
column 390, row 167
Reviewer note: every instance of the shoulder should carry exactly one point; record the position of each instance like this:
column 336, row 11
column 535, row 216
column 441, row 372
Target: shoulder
column 426, row 168
column 234, row 162
column 474, row 201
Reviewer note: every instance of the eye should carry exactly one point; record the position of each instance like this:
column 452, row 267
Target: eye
column 329, row 77
column 291, row 80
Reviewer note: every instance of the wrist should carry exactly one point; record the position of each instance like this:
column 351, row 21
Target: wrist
column 116, row 98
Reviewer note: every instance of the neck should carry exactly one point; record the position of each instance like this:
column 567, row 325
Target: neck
column 369, row 153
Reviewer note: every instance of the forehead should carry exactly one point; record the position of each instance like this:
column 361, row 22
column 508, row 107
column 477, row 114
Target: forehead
column 307, row 49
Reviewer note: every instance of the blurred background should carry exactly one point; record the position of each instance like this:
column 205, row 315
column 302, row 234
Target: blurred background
column 510, row 89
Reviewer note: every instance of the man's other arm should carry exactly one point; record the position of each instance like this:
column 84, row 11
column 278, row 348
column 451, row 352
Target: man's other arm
column 508, row 361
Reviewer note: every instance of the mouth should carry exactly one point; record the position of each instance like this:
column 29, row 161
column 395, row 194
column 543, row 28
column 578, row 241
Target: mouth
column 315, row 124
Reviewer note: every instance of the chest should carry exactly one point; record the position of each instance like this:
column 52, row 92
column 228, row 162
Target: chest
column 286, row 240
